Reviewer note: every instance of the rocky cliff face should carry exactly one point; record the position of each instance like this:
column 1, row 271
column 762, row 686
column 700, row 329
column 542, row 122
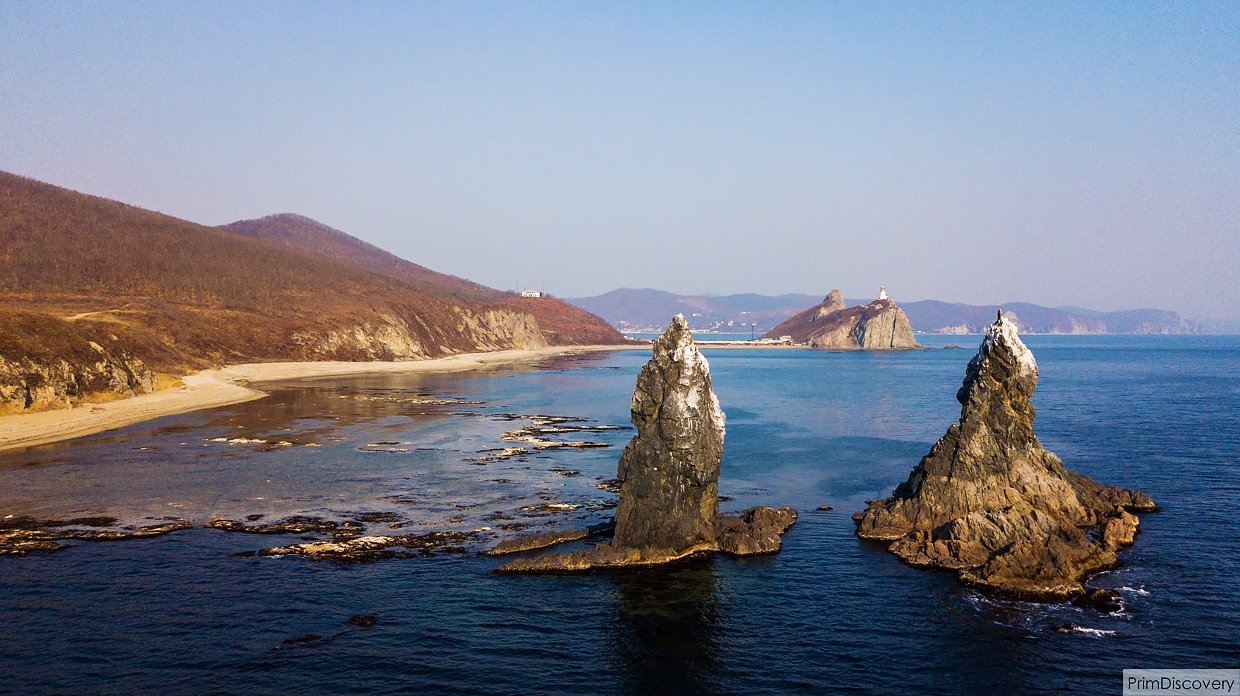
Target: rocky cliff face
column 29, row 384
column 394, row 337
column 669, row 474
column 880, row 325
column 834, row 302
column 52, row 362
column 991, row 504
column 501, row 329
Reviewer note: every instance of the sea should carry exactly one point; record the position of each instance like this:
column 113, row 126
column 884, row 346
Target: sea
column 193, row 612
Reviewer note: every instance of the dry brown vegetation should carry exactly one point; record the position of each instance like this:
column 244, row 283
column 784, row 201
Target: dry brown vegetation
column 300, row 232
column 561, row 323
column 76, row 268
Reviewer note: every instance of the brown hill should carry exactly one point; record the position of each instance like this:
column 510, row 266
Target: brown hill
column 879, row 325
column 77, row 270
column 561, row 323
column 300, row 232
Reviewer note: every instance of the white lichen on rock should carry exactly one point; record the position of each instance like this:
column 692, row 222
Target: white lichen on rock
column 1004, row 333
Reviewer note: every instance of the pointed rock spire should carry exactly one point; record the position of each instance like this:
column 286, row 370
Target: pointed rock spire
column 834, row 302
column 669, row 474
column 990, row 503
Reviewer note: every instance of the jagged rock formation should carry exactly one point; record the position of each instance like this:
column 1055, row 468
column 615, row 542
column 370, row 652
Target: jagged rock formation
column 880, row 325
column 991, row 504
column 65, row 368
column 669, row 474
column 834, row 302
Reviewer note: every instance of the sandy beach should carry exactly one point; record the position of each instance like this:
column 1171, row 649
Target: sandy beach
column 231, row 385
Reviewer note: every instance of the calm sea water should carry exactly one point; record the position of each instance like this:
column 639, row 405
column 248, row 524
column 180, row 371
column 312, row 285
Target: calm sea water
column 182, row 614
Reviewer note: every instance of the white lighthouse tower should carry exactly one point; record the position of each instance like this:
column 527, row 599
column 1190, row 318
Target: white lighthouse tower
column 882, row 292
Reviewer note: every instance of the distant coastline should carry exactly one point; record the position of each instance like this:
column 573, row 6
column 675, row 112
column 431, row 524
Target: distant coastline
column 646, row 310
column 232, row 385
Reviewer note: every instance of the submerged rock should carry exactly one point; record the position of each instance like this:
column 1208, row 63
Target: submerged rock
column 991, row 504
column 374, row 548
column 22, row 535
column 669, row 474
column 530, row 542
column 297, row 524
column 364, row 620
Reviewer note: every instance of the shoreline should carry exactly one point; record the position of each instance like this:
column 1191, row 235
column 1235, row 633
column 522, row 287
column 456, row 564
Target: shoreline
column 230, row 385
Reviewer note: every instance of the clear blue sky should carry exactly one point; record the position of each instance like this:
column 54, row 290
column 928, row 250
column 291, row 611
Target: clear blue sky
column 1058, row 153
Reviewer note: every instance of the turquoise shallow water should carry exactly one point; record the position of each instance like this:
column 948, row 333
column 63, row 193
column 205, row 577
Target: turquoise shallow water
column 182, row 614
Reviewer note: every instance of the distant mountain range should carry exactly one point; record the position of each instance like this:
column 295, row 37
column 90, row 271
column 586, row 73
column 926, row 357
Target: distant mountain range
column 97, row 296
column 633, row 310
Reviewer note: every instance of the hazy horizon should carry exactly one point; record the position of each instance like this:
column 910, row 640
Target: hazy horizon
column 1060, row 154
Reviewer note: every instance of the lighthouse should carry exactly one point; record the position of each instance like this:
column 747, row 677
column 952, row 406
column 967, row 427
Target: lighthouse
column 882, row 292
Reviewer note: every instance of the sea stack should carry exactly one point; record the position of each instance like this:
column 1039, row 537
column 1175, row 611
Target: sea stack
column 991, row 504
column 669, row 474
column 830, row 325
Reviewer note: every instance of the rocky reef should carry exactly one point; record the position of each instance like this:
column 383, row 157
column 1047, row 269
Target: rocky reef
column 20, row 536
column 669, row 474
column 989, row 503
column 879, row 325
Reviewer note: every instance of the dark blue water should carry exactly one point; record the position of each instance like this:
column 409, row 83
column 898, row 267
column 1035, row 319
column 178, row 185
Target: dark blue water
column 182, row 614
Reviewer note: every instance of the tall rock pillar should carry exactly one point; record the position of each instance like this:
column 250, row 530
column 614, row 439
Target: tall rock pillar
column 669, row 472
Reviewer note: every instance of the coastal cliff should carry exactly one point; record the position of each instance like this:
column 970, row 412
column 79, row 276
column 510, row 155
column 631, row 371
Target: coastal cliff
column 392, row 337
column 879, row 325
column 99, row 299
column 64, row 366
column 669, row 474
column 989, row 503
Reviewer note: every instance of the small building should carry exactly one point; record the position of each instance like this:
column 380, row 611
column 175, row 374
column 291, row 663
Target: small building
column 882, row 292
column 531, row 293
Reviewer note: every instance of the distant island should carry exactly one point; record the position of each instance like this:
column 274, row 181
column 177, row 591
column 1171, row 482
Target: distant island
column 645, row 310
column 99, row 300
column 832, row 325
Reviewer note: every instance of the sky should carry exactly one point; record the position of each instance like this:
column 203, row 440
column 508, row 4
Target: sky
column 1062, row 153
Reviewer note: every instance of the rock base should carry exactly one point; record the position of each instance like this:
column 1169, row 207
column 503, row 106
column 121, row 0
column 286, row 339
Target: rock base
column 757, row 531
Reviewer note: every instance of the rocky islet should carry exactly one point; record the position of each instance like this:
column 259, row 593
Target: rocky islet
column 669, row 474
column 831, row 325
column 990, row 503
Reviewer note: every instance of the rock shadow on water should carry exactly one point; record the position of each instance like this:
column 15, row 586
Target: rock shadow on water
column 667, row 628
